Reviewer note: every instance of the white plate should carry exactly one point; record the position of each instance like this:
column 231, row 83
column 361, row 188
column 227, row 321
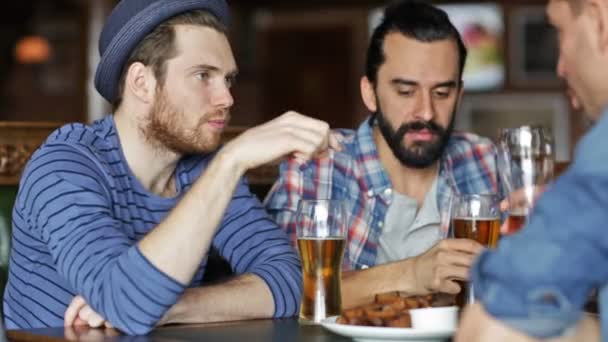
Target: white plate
column 381, row 334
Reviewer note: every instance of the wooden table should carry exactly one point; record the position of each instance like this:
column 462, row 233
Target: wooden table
column 247, row 331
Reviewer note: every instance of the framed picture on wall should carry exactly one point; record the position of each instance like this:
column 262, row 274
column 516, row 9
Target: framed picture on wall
column 485, row 114
column 481, row 26
column 533, row 48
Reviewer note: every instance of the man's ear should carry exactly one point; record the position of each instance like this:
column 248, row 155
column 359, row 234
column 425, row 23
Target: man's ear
column 140, row 82
column 368, row 94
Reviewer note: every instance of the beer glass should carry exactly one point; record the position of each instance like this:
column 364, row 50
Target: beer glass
column 525, row 159
column 476, row 217
column 321, row 231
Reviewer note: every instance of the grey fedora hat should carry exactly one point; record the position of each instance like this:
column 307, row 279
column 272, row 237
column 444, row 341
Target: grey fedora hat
column 128, row 25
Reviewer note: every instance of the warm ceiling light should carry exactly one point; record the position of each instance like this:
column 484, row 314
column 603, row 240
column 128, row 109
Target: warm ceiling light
column 32, row 50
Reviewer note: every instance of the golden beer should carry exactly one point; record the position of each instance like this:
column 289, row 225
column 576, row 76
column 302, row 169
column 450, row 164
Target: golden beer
column 516, row 219
column 486, row 231
column 321, row 273
column 483, row 230
column 515, row 222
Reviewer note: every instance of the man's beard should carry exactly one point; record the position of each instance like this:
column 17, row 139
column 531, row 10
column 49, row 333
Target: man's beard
column 164, row 128
column 421, row 154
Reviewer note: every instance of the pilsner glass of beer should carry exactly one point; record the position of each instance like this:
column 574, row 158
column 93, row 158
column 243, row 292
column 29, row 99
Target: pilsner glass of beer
column 476, row 217
column 525, row 158
column 321, row 231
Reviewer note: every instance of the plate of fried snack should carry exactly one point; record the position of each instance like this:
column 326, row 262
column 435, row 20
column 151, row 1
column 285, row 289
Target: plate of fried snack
column 393, row 317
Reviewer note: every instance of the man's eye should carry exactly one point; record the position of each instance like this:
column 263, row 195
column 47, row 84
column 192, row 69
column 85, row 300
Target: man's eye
column 442, row 94
column 230, row 80
column 202, row 75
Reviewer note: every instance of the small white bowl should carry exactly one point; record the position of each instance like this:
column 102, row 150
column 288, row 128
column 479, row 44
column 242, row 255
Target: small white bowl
column 440, row 318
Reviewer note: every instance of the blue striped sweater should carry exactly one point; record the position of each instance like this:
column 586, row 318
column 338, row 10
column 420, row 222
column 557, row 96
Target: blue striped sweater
column 78, row 217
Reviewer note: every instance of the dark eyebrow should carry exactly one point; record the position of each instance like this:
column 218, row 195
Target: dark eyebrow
column 406, row 82
column 401, row 81
column 446, row 84
column 208, row 67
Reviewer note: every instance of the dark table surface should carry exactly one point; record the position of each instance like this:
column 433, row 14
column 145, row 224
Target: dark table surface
column 247, row 331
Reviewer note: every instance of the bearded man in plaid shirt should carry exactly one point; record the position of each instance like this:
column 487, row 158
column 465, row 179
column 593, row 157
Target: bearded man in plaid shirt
column 394, row 171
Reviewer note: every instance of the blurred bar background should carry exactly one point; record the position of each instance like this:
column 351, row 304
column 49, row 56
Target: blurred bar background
column 304, row 55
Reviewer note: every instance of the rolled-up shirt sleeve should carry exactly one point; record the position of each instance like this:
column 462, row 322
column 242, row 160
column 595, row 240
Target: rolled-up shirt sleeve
column 253, row 243
column 538, row 280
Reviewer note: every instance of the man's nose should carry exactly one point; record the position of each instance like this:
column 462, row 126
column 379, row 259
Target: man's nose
column 222, row 97
column 425, row 110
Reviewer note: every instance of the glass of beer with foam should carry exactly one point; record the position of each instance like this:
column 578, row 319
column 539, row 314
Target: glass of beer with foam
column 525, row 159
column 476, row 217
column 321, row 231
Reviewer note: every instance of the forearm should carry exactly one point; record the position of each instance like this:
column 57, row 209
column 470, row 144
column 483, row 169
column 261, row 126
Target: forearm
column 245, row 297
column 179, row 243
column 359, row 287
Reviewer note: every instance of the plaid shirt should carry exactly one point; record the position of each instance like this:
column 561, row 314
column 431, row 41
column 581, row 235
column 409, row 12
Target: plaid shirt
column 357, row 176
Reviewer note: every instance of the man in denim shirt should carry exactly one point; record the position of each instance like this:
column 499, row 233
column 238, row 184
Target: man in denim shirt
column 537, row 281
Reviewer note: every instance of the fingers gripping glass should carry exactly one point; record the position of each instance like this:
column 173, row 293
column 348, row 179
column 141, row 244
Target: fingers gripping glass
column 475, row 217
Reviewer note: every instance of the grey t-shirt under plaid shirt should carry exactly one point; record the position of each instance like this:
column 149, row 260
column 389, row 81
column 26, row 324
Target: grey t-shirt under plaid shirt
column 407, row 231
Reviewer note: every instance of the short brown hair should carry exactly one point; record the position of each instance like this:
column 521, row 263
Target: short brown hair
column 159, row 46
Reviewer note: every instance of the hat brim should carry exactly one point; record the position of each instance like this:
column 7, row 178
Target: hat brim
column 135, row 30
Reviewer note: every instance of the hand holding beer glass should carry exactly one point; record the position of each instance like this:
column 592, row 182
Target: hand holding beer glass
column 525, row 157
column 321, row 230
column 476, row 217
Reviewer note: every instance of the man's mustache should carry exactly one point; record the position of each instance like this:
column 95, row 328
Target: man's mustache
column 419, row 126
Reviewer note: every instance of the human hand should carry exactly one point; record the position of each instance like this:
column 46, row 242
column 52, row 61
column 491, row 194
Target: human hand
column 438, row 269
column 290, row 134
column 79, row 313
column 519, row 203
column 476, row 325
column 85, row 333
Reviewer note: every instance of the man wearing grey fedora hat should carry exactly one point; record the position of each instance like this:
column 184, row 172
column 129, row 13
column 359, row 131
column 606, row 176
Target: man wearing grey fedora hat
column 113, row 220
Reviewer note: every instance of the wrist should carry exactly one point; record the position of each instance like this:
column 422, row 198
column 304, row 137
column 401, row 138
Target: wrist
column 416, row 286
column 408, row 277
column 180, row 311
column 228, row 158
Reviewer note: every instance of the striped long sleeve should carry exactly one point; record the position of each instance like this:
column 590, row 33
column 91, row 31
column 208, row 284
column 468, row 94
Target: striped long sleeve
column 66, row 204
column 253, row 243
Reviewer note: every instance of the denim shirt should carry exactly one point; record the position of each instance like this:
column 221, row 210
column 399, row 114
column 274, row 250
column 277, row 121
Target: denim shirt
column 537, row 281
